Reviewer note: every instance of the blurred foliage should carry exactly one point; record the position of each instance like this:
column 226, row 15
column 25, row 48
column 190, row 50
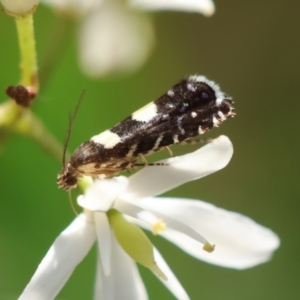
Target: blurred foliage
column 252, row 49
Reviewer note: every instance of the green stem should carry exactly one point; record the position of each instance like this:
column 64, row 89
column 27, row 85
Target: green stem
column 15, row 118
column 24, row 122
column 28, row 65
column 31, row 126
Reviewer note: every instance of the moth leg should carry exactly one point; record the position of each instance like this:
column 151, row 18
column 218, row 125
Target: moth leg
column 169, row 150
column 144, row 160
column 158, row 164
column 150, row 164
column 194, row 141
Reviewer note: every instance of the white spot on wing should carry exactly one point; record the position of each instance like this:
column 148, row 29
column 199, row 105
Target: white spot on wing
column 146, row 113
column 193, row 114
column 191, row 87
column 219, row 101
column 107, row 138
column 156, row 145
column 132, row 150
column 221, row 115
column 170, row 93
column 179, row 124
column 215, row 121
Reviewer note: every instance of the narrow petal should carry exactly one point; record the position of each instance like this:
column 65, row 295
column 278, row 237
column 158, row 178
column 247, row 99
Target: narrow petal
column 151, row 181
column 103, row 239
column 101, row 195
column 124, row 282
column 67, row 251
column 73, row 7
column 114, row 39
column 205, row 7
column 240, row 242
column 172, row 284
column 134, row 241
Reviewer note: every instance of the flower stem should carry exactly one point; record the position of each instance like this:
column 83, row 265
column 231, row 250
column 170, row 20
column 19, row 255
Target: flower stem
column 15, row 118
column 28, row 65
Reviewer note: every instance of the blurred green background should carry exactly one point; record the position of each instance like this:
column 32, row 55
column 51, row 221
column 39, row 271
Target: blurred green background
column 251, row 48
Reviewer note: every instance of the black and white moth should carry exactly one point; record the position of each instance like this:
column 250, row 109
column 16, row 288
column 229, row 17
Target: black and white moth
column 191, row 107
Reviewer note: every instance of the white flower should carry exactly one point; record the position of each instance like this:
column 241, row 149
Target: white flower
column 240, row 242
column 19, row 7
column 205, row 7
column 114, row 36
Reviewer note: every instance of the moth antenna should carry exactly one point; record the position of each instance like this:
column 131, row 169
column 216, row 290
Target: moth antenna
column 71, row 120
column 144, row 160
column 73, row 207
column 169, row 150
column 72, row 204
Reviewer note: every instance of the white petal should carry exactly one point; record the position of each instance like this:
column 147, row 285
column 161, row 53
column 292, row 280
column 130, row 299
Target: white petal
column 114, row 39
column 151, row 181
column 104, row 240
column 205, row 7
column 73, row 7
column 148, row 218
column 240, row 242
column 101, row 195
column 172, row 283
column 68, row 250
column 124, row 282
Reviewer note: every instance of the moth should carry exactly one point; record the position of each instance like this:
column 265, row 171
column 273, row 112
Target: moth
column 190, row 108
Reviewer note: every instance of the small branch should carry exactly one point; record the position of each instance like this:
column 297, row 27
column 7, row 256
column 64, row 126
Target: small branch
column 24, row 122
column 28, row 64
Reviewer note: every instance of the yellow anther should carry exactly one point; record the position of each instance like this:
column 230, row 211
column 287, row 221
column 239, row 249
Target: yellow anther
column 158, row 227
column 208, row 247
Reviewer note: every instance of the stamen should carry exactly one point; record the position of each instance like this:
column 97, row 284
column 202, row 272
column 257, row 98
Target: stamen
column 208, row 247
column 158, row 227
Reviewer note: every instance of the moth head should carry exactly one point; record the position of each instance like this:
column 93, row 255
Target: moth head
column 67, row 178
